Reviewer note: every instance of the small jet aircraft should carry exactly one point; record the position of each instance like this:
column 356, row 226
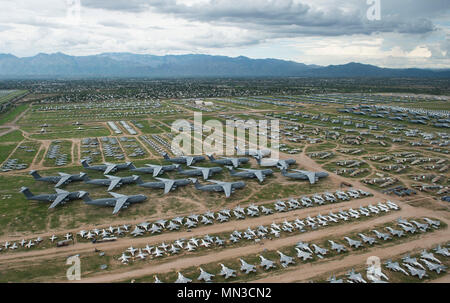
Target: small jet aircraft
column 154, row 169
column 182, row 279
column 319, row 250
column 355, row 277
column 227, row 187
column 188, row 160
column 166, row 184
column 60, row 197
column 205, row 172
column 260, row 174
column 260, row 153
column 395, row 267
column 266, row 263
column 353, row 243
column 247, row 268
column 396, row 232
column 313, row 177
column 205, row 276
column 438, row 268
column 285, row 260
column 113, row 182
column 412, row 261
column 442, row 251
column 118, row 201
column 227, row 272
column 106, row 168
column 367, row 239
column 333, row 279
column 337, row 247
column 303, row 246
column 381, row 235
column 235, row 162
column 420, row 273
column 429, row 256
column 124, row 258
column 62, row 179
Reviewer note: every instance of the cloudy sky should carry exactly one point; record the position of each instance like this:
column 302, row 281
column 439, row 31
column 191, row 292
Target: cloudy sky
column 409, row 33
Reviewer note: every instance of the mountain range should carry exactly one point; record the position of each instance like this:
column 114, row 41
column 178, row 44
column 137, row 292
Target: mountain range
column 125, row 65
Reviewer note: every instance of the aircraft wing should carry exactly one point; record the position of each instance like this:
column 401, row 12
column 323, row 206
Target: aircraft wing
column 63, row 179
column 114, row 183
column 311, row 176
column 205, row 172
column 61, row 196
column 189, row 160
column 227, row 189
column 118, row 196
column 119, row 204
column 109, row 168
column 259, row 175
column 168, row 186
column 235, row 162
column 156, row 170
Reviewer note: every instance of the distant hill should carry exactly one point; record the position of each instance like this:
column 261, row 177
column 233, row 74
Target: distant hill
column 121, row 65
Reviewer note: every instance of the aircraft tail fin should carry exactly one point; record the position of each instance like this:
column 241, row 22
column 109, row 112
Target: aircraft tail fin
column 26, row 192
column 211, row 157
column 139, row 180
column 35, row 174
column 131, row 165
column 166, row 156
column 84, row 163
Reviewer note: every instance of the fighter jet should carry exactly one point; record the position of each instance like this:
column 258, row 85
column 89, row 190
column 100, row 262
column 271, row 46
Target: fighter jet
column 124, row 258
column 319, row 251
column 173, row 249
column 266, row 211
column 422, row 226
column 247, row 268
column 62, row 179
column 166, row 184
column 182, row 279
column 407, row 228
column 282, row 164
column 266, row 263
column 367, row 239
column 395, row 267
column 118, row 201
column 204, row 276
column 227, row 272
column 395, row 232
column 381, row 235
column 285, row 260
column 113, row 182
column 438, row 268
column 353, row 243
column 60, row 197
column 355, row 277
column 235, row 162
column 442, row 251
column 107, row 168
column 227, row 187
column 337, row 247
column 205, row 172
column 260, row 153
column 375, row 274
column 434, row 224
column 412, row 261
column 420, row 273
column 303, row 246
column 156, row 170
column 188, row 160
column 137, row 232
column 141, row 255
column 313, row 177
column 260, row 174
column 158, row 253
column 333, row 279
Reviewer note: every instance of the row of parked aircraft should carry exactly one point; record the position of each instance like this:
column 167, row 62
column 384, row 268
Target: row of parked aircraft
column 411, row 267
column 256, row 234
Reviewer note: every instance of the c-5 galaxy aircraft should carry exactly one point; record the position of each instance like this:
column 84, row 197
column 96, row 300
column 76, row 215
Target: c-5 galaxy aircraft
column 275, row 162
column 154, row 169
column 62, row 179
column 260, row 153
column 227, row 187
column 313, row 177
column 260, row 174
column 235, row 162
column 166, row 184
column 112, row 181
column 188, row 160
column 205, row 172
column 107, row 168
column 61, row 196
column 118, row 201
